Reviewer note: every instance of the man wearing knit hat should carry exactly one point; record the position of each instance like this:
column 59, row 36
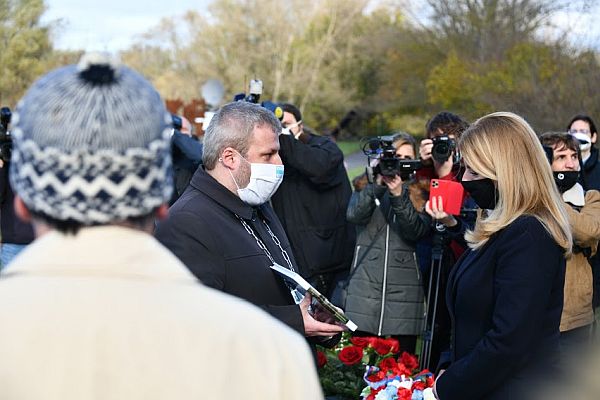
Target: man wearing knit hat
column 96, row 308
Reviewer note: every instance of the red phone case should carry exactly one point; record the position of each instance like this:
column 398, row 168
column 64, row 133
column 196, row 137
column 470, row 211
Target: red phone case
column 451, row 193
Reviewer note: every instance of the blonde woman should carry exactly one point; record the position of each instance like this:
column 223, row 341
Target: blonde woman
column 505, row 295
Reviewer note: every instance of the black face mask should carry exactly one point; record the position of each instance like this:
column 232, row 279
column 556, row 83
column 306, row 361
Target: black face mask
column 483, row 191
column 565, row 180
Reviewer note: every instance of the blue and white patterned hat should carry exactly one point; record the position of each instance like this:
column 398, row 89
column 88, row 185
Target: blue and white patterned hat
column 91, row 144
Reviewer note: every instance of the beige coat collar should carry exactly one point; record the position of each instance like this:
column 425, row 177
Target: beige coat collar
column 107, row 251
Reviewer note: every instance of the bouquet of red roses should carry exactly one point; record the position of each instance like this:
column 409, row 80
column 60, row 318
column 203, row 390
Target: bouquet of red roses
column 372, row 361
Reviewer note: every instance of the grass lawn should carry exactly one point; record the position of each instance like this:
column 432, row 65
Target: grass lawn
column 348, row 146
column 354, row 172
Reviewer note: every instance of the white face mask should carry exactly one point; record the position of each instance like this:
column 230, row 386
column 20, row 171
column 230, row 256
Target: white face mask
column 264, row 181
column 585, row 143
column 288, row 130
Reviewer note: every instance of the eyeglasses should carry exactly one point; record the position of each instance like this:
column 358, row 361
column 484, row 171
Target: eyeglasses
column 574, row 131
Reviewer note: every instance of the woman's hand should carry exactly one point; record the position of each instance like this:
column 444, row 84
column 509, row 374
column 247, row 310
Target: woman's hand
column 394, row 184
column 435, row 208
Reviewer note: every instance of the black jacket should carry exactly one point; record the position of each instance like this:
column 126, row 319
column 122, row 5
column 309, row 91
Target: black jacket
column 187, row 156
column 591, row 172
column 311, row 204
column 203, row 231
column 12, row 229
column 505, row 302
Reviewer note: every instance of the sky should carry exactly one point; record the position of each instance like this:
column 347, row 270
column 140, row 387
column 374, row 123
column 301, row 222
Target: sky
column 113, row 25
column 110, row 25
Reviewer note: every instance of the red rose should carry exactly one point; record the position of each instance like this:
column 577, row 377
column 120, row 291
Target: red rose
column 376, row 377
column 388, row 364
column 402, row 370
column 409, row 360
column 351, row 355
column 429, row 381
column 374, row 392
column 321, row 359
column 394, row 345
column 382, row 346
column 404, row 394
column 418, row 385
column 361, row 342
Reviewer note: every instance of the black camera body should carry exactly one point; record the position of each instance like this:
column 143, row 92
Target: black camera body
column 443, row 146
column 5, row 137
column 382, row 148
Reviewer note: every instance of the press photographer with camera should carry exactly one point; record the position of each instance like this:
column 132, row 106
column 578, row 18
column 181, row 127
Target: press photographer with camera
column 384, row 291
column 15, row 234
column 311, row 202
column 438, row 251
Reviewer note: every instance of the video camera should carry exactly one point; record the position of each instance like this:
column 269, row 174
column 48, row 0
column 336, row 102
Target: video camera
column 382, row 149
column 443, row 146
column 5, row 137
column 256, row 86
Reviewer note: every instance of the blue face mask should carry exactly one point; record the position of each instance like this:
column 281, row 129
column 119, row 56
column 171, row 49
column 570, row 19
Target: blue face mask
column 483, row 192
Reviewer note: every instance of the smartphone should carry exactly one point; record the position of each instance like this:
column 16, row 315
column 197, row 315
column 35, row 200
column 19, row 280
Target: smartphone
column 451, row 192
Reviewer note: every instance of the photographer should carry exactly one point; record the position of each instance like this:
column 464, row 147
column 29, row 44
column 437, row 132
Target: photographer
column 311, row 202
column 385, row 295
column 186, row 151
column 15, row 234
column 441, row 160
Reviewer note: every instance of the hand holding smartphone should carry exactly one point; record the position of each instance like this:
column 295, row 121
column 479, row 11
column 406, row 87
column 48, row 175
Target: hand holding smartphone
column 450, row 192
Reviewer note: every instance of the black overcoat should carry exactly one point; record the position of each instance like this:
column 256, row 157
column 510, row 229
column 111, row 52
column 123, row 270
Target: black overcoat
column 202, row 230
column 505, row 301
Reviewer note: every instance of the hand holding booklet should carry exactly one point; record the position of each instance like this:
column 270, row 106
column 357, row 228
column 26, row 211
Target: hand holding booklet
column 304, row 287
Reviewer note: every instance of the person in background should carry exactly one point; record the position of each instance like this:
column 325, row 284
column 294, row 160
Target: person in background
column 311, row 203
column 505, row 295
column 384, row 293
column 583, row 208
column 441, row 161
column 584, row 129
column 95, row 307
column 186, row 151
column 15, row 234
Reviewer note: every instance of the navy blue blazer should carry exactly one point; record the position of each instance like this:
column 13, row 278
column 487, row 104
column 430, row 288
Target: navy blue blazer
column 505, row 301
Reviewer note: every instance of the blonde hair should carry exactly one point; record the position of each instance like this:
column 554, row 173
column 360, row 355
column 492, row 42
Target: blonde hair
column 503, row 147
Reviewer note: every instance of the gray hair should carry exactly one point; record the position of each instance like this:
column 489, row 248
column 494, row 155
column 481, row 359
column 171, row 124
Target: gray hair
column 233, row 127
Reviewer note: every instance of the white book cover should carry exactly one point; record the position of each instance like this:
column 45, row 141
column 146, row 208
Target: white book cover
column 303, row 286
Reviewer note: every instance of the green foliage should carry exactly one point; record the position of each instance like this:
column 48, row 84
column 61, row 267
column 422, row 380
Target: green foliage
column 348, row 146
column 395, row 67
column 25, row 44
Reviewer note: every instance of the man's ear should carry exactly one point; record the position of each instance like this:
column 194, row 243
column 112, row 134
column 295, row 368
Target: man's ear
column 594, row 137
column 162, row 212
column 228, row 158
column 21, row 210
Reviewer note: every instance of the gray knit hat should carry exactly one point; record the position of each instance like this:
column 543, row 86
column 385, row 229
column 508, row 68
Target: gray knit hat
column 91, row 144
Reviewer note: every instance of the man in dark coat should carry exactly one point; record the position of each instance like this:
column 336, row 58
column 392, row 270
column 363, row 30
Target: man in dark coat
column 223, row 228
column 312, row 200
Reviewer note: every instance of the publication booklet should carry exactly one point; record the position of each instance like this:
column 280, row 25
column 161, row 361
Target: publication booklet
column 304, row 287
